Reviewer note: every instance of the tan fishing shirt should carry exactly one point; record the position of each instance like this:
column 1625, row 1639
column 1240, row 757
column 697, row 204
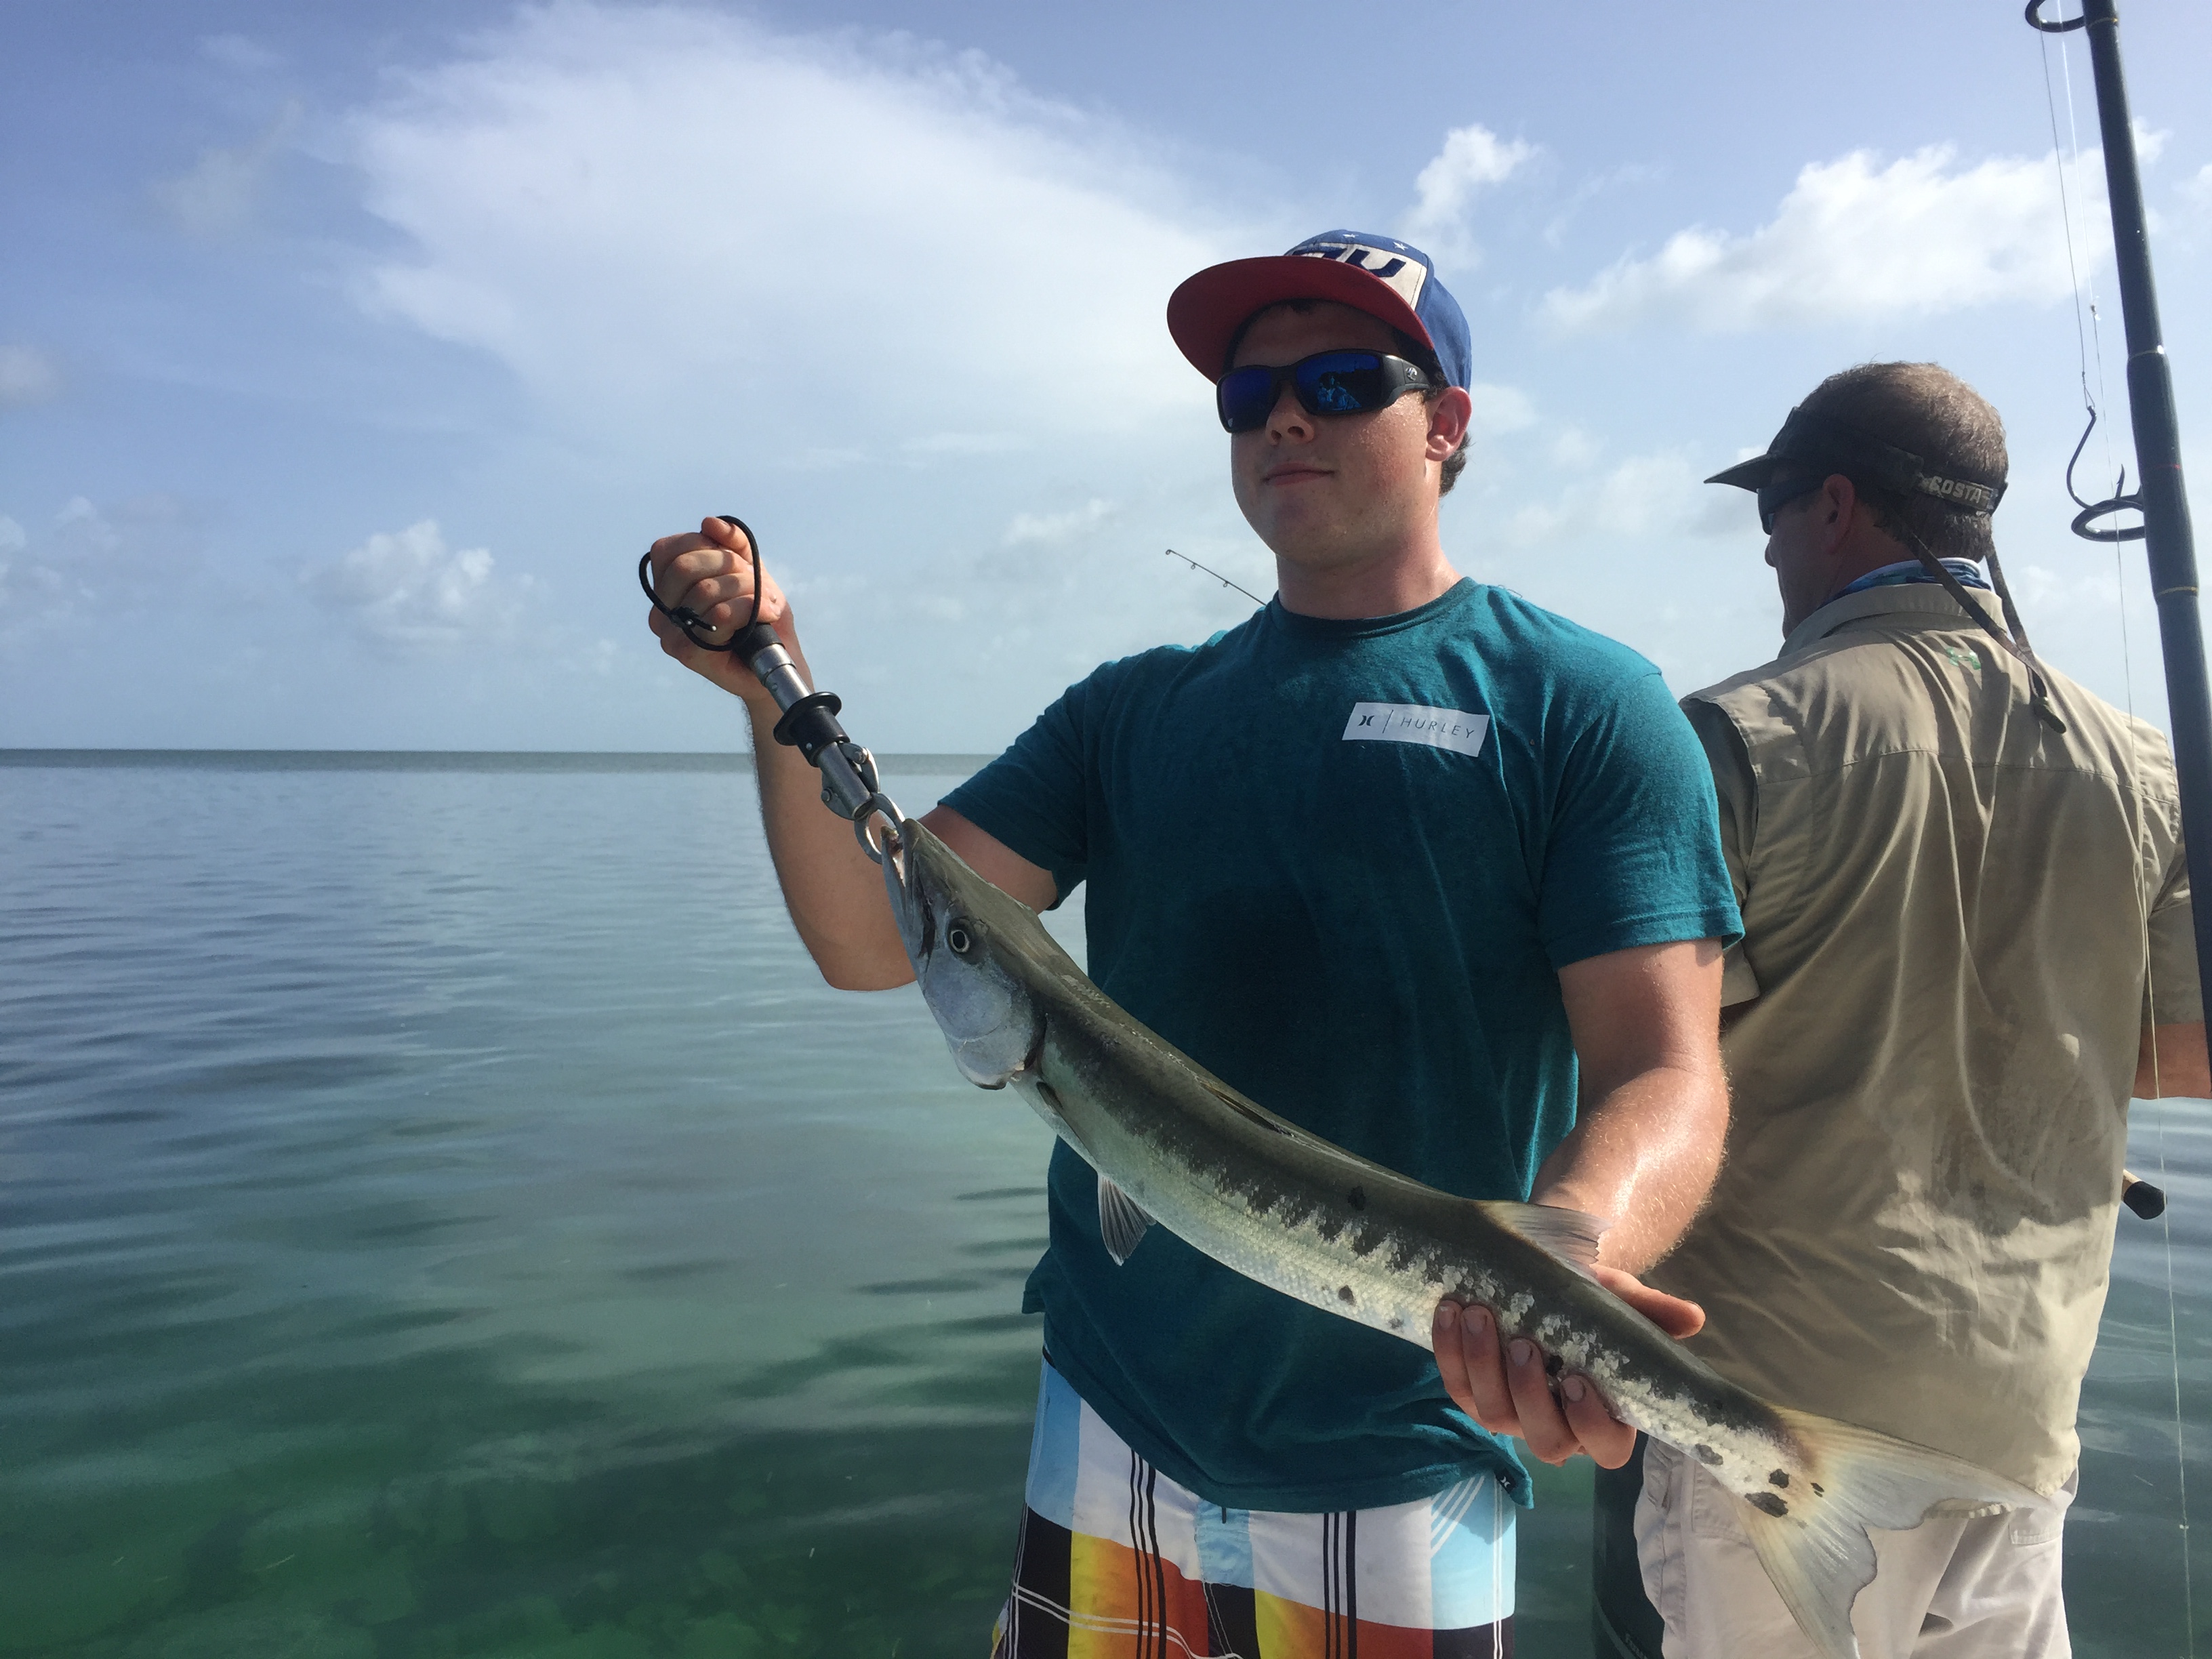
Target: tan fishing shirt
column 1956, row 922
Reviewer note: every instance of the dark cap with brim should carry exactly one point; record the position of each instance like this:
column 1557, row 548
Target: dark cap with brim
column 1378, row 275
column 1813, row 445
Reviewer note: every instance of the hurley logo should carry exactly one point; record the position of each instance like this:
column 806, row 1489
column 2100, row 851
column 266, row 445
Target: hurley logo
column 1404, row 722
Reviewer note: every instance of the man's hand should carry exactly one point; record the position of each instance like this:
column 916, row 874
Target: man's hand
column 1507, row 1390
column 711, row 574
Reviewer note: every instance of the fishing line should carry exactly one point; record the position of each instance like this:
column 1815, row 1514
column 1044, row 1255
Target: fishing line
column 2091, row 340
column 2086, row 341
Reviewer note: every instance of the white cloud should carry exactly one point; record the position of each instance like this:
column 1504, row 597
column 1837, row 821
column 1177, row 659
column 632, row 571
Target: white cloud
column 239, row 53
column 410, row 591
column 217, row 195
column 26, row 376
column 1857, row 242
column 86, row 525
column 48, row 578
column 682, row 230
column 965, row 443
column 2196, row 190
column 1645, row 496
column 1499, row 409
column 1053, row 528
column 1472, row 158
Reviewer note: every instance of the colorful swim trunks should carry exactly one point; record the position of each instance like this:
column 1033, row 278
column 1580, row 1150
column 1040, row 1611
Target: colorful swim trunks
column 1116, row 1560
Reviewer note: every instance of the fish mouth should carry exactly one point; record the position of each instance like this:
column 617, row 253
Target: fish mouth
column 910, row 906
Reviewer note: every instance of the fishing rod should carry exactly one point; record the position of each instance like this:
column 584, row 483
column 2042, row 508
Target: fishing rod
column 2171, row 546
column 2159, row 496
column 808, row 722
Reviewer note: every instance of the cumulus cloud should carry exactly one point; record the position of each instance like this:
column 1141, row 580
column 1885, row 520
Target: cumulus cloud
column 1645, row 496
column 828, row 243
column 26, row 376
column 57, row 569
column 1855, row 240
column 217, row 195
column 1499, row 409
column 1473, row 158
column 410, row 591
column 1049, row 529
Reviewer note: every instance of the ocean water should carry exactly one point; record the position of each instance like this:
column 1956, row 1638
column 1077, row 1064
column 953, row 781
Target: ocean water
column 441, row 1212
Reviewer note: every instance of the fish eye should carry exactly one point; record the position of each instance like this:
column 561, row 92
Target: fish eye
column 958, row 936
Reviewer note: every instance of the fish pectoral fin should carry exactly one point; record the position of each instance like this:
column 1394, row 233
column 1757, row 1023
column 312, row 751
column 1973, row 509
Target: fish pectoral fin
column 1812, row 1538
column 1571, row 1235
column 1121, row 1221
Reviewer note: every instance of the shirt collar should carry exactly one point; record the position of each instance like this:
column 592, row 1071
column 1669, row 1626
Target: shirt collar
column 1923, row 599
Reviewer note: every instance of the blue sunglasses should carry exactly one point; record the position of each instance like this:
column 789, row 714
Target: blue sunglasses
column 1326, row 382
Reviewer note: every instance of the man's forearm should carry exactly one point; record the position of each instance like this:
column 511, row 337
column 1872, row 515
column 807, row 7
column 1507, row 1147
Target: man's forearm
column 1644, row 1157
column 1652, row 1117
column 2173, row 1061
column 834, row 890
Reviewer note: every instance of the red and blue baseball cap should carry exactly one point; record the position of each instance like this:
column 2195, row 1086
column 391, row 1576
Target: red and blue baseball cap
column 1379, row 275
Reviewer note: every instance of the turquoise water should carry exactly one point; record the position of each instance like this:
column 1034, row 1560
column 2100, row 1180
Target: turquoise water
column 441, row 1213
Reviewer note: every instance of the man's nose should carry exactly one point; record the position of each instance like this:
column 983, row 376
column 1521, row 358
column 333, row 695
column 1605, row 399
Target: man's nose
column 1288, row 418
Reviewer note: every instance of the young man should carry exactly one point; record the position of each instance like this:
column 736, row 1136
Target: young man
column 1966, row 936
column 1425, row 869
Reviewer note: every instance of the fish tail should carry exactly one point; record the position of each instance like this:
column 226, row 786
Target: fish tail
column 1814, row 1544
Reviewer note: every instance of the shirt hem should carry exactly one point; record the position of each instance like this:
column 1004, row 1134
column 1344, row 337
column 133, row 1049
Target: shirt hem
column 1663, row 927
column 1380, row 1492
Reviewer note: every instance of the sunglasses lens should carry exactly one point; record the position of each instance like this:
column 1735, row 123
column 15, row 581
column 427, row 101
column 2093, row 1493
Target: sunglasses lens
column 1341, row 382
column 1245, row 397
column 1777, row 495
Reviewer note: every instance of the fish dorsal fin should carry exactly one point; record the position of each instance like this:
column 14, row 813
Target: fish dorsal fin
column 1571, row 1235
column 1121, row 1221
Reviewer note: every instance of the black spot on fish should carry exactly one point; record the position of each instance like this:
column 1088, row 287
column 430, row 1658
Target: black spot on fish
column 1357, row 1198
column 1707, row 1455
column 1819, row 1491
column 1344, row 1295
column 1781, row 1477
column 1397, row 1322
column 1365, row 1241
column 1554, row 1365
column 1768, row 1502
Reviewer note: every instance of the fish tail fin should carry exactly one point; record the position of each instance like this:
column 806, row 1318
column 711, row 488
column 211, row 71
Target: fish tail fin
column 1815, row 1545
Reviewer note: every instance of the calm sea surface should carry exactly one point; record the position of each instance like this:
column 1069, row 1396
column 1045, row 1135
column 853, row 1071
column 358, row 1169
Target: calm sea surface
column 441, row 1212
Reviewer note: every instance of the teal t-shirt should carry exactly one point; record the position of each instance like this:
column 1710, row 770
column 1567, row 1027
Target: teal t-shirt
column 1340, row 863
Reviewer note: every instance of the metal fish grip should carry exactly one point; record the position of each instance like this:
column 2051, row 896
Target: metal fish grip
column 851, row 787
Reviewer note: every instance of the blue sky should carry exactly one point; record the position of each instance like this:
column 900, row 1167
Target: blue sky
column 349, row 356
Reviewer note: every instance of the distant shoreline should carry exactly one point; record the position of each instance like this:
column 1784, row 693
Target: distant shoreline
column 442, row 760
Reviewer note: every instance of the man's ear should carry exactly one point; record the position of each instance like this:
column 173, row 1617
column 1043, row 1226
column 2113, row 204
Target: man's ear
column 1449, row 416
column 1838, row 509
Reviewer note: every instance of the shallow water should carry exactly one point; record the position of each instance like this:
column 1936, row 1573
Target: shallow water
column 445, row 1214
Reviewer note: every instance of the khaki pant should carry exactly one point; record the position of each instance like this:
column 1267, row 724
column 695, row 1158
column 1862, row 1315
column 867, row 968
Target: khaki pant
column 1953, row 1588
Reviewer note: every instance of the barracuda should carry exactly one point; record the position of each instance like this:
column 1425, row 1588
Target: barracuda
column 1174, row 1146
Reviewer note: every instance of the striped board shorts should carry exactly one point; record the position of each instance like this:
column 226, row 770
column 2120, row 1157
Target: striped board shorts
column 1116, row 1560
